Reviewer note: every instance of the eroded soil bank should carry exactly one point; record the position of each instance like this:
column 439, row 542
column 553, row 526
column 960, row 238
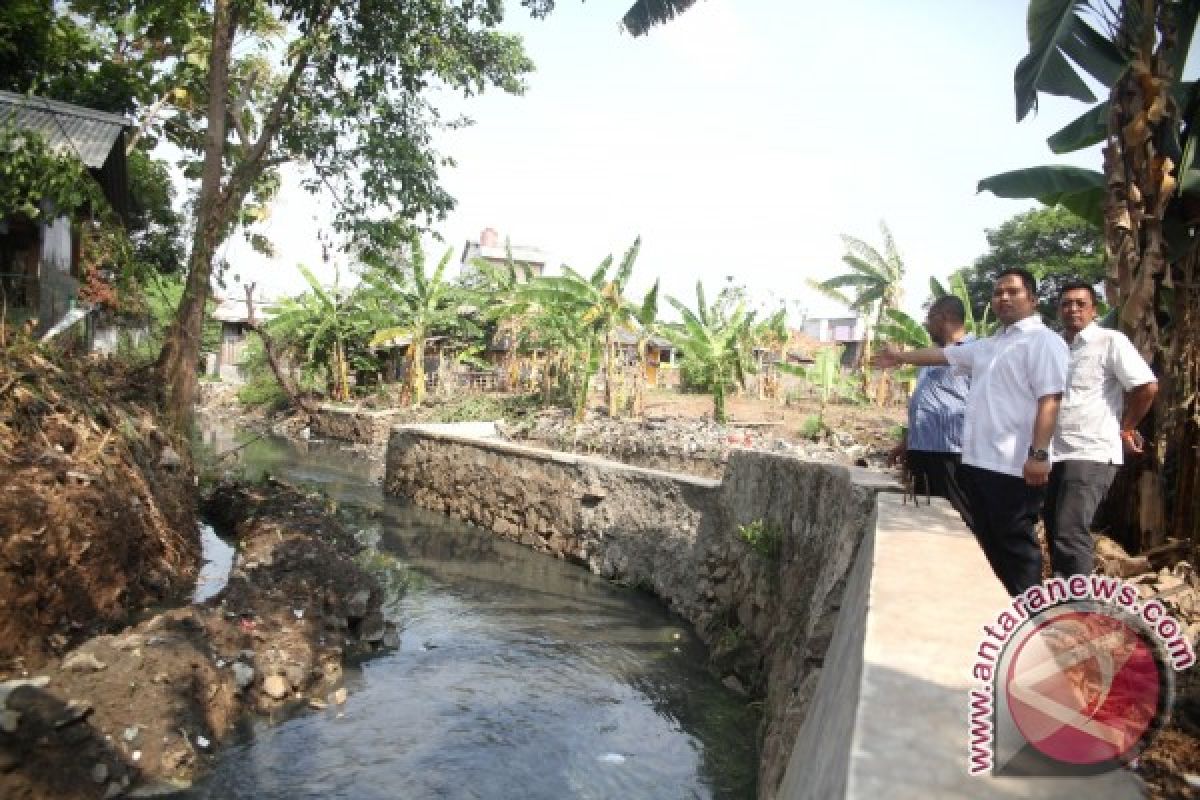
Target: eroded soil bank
column 99, row 695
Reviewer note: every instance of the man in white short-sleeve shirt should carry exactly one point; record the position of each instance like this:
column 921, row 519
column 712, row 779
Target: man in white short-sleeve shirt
column 1110, row 387
column 1017, row 379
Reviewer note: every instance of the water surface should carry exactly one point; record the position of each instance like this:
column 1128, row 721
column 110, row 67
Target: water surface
column 517, row 675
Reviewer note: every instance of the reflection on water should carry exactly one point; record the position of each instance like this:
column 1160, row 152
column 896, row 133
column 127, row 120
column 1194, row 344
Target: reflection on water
column 518, row 676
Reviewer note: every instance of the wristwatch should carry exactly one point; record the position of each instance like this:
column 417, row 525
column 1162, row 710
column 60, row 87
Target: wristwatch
column 1039, row 455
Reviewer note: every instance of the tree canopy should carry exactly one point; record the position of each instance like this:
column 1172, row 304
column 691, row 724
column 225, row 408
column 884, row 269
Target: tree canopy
column 1054, row 244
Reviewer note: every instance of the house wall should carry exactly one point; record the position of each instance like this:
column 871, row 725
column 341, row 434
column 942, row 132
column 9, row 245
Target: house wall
column 57, row 288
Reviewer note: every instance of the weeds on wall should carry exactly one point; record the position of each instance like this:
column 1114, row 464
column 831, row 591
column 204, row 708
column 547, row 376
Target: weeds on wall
column 765, row 538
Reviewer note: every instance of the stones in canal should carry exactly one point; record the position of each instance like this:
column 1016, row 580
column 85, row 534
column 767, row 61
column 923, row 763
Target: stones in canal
column 243, row 674
column 276, row 687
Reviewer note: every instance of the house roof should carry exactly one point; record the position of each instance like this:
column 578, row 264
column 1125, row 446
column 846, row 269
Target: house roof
column 520, row 254
column 629, row 337
column 233, row 309
column 67, row 128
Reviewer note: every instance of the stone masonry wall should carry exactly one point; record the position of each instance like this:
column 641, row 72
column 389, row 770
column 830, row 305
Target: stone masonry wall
column 352, row 425
column 767, row 618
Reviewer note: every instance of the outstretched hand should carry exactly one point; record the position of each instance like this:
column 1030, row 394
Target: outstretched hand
column 886, row 358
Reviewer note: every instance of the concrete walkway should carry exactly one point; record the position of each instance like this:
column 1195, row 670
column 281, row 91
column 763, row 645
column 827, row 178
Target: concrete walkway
column 930, row 592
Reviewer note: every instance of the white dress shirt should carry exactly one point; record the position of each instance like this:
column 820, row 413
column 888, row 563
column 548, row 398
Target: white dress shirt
column 1010, row 371
column 1104, row 365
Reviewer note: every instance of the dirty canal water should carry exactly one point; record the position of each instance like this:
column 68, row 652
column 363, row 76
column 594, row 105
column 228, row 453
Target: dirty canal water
column 517, row 675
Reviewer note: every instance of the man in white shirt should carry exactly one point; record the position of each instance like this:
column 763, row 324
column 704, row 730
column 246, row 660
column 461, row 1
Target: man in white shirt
column 1110, row 387
column 1017, row 379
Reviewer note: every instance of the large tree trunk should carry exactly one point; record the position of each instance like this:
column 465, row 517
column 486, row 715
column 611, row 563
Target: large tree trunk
column 180, row 355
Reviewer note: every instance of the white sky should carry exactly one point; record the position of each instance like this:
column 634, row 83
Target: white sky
column 739, row 140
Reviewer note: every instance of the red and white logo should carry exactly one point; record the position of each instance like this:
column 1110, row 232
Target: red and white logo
column 1085, row 686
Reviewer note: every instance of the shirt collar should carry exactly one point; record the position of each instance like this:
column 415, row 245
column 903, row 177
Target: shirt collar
column 1027, row 324
column 1088, row 333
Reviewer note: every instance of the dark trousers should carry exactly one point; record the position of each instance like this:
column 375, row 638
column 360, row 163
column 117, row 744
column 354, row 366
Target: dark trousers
column 936, row 474
column 1004, row 510
column 1075, row 491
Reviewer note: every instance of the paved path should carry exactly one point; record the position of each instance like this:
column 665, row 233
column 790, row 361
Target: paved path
column 930, row 593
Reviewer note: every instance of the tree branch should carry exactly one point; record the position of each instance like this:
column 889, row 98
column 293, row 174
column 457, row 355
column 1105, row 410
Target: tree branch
column 294, row 396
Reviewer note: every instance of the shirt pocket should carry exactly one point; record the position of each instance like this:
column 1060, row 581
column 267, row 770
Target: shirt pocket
column 1086, row 373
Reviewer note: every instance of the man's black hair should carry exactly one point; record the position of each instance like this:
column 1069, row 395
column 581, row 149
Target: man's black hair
column 1077, row 285
column 950, row 305
column 1026, row 278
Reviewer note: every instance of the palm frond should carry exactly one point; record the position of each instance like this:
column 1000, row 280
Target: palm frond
column 645, row 14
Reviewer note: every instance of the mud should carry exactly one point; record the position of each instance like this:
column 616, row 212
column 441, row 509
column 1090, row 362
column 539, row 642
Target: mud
column 146, row 709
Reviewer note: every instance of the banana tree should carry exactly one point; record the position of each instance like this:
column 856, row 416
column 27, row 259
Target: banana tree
column 499, row 295
column 875, row 278
column 648, row 326
column 1147, row 198
column 415, row 304
column 599, row 303
column 317, row 324
column 719, row 345
column 825, row 373
column 978, row 327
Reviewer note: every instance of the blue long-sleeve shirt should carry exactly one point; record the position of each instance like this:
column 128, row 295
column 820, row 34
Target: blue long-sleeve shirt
column 937, row 408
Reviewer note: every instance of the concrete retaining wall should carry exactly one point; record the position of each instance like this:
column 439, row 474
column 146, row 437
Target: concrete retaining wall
column 767, row 618
column 890, row 596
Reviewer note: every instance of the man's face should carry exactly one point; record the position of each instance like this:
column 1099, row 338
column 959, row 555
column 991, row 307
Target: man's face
column 1076, row 309
column 1011, row 301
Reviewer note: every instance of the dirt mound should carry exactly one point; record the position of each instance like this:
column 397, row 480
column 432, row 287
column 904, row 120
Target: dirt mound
column 96, row 510
column 149, row 708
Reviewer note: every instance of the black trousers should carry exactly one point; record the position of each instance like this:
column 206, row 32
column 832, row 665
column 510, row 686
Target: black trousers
column 938, row 475
column 1004, row 512
column 1075, row 491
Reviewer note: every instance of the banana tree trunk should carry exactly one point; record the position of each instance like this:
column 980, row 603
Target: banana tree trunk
column 718, row 394
column 639, row 381
column 341, row 374
column 610, row 375
column 414, row 376
column 1139, row 187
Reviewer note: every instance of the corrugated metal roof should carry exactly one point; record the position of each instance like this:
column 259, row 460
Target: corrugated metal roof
column 66, row 128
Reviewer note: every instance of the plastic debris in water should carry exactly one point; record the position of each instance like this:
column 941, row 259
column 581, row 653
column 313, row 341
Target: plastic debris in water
column 612, row 758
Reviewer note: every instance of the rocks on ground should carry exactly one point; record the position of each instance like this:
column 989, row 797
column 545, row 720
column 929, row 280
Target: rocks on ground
column 1171, row 765
column 686, row 444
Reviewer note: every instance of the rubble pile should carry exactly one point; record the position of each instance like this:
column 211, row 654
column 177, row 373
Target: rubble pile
column 686, row 444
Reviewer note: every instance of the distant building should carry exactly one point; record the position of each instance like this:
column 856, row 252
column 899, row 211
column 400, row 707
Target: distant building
column 228, row 361
column 492, row 250
column 39, row 258
column 840, row 330
column 848, row 331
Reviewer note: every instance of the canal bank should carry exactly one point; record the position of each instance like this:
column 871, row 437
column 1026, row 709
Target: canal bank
column 853, row 617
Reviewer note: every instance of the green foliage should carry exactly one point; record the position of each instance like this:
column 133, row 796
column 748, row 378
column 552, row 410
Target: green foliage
column 874, row 277
column 764, row 537
column 717, row 343
column 1052, row 243
column 37, row 182
column 813, row 427
column 483, row 408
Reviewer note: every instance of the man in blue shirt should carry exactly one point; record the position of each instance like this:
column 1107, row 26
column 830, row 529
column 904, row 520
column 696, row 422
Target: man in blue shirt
column 932, row 453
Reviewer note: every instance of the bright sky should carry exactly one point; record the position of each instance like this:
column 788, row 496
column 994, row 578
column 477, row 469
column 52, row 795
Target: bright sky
column 739, row 140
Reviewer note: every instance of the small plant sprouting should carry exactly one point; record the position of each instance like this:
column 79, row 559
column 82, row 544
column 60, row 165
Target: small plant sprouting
column 765, row 538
